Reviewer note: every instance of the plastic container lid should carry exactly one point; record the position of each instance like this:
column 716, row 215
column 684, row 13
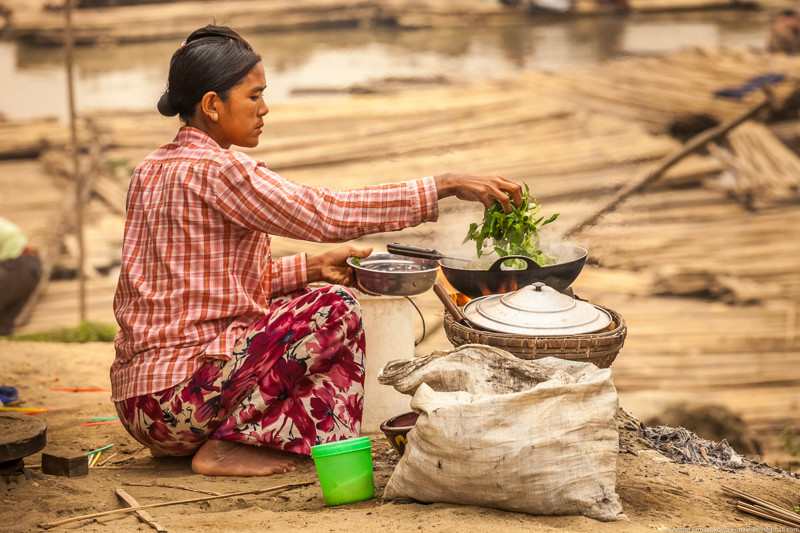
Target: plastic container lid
column 342, row 446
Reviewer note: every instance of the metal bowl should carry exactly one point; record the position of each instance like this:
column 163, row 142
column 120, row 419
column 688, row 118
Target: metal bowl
column 394, row 275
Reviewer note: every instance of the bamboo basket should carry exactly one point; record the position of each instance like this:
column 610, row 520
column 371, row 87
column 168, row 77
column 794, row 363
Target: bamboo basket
column 600, row 348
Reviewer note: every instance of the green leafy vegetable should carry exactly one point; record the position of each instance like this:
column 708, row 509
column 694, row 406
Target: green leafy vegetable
column 514, row 233
column 357, row 261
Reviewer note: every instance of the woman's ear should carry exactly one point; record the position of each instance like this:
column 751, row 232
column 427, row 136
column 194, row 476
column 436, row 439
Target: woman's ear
column 208, row 105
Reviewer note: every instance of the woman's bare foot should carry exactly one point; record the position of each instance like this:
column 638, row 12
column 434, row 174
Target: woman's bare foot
column 226, row 458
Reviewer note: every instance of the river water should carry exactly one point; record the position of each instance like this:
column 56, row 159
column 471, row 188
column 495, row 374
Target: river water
column 132, row 76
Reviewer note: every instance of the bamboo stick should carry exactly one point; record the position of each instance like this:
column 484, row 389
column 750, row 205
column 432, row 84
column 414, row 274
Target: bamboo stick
column 768, row 514
column 290, row 486
column 144, row 516
column 759, row 501
column 168, row 486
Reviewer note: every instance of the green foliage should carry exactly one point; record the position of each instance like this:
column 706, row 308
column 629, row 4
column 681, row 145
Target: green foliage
column 85, row 332
column 514, row 233
column 120, row 163
column 790, row 442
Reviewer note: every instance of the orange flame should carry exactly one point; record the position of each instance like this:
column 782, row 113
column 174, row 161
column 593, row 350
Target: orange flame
column 458, row 298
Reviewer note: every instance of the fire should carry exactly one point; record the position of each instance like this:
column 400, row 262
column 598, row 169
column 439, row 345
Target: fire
column 509, row 286
column 460, row 299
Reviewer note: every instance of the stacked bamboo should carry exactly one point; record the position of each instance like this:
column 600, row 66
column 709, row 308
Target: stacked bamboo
column 763, row 508
column 29, row 138
column 34, row 23
column 658, row 90
column 176, row 20
column 763, row 167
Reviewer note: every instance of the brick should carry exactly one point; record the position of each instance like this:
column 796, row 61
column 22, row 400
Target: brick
column 57, row 465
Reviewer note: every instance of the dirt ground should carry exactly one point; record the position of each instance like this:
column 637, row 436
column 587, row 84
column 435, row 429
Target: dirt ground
column 656, row 493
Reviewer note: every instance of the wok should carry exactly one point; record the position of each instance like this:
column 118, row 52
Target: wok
column 478, row 278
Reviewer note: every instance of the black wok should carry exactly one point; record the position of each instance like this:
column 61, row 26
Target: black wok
column 463, row 275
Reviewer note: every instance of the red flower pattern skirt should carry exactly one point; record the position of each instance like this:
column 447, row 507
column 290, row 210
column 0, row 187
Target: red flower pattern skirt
column 296, row 379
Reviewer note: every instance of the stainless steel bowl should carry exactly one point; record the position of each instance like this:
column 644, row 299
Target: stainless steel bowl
column 394, row 275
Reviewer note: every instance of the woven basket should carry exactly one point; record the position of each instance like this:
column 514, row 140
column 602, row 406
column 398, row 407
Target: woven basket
column 600, row 348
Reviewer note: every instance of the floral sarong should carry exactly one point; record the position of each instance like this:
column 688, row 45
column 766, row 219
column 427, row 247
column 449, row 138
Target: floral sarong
column 296, row 379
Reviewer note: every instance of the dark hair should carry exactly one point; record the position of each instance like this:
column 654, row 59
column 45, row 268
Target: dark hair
column 213, row 58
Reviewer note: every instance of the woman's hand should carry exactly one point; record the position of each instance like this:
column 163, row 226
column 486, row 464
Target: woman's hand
column 479, row 188
column 332, row 267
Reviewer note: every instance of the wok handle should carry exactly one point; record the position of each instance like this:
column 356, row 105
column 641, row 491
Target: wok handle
column 530, row 263
column 412, row 251
column 450, row 305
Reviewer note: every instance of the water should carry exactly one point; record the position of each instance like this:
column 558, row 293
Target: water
column 132, row 76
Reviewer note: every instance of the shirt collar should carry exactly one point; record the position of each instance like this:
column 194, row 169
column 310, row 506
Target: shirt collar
column 190, row 135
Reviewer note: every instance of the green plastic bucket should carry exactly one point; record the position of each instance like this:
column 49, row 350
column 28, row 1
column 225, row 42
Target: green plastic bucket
column 345, row 470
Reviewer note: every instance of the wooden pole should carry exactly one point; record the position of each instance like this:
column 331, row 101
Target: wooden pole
column 69, row 45
column 649, row 176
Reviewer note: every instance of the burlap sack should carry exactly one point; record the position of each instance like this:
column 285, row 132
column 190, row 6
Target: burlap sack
column 494, row 430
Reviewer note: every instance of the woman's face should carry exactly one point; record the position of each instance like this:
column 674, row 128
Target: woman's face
column 241, row 117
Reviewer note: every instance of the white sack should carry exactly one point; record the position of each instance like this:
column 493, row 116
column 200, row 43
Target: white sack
column 535, row 436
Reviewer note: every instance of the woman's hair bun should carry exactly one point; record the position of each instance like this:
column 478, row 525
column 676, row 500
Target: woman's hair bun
column 165, row 107
column 212, row 59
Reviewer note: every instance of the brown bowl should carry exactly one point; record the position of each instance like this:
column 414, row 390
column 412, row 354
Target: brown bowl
column 396, row 429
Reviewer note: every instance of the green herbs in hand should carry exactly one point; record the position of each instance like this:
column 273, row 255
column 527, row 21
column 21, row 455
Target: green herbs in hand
column 514, row 233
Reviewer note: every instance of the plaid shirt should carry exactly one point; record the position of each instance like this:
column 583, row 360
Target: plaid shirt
column 196, row 266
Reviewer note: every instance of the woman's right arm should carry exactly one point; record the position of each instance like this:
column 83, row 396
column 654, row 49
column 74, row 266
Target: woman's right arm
column 252, row 196
column 479, row 188
column 262, row 200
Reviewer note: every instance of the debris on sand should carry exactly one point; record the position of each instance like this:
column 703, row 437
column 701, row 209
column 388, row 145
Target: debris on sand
column 684, row 446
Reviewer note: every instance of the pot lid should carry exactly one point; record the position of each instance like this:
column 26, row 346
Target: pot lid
column 536, row 310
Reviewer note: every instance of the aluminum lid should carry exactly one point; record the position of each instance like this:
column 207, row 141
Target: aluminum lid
column 536, row 310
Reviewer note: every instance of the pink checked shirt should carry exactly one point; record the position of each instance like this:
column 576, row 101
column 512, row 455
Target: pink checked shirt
column 196, row 265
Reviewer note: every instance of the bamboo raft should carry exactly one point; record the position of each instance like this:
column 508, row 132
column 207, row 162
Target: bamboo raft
column 42, row 22
column 708, row 285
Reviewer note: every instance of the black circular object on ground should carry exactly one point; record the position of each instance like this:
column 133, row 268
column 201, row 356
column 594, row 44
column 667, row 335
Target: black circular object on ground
column 20, row 436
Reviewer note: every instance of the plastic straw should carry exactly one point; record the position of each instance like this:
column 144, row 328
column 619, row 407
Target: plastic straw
column 99, row 449
column 102, row 423
column 104, row 418
column 95, row 458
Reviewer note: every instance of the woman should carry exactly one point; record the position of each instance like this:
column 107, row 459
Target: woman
column 784, row 33
column 20, row 272
column 223, row 352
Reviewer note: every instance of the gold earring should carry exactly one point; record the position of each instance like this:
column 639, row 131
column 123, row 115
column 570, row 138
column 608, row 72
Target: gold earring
column 214, row 116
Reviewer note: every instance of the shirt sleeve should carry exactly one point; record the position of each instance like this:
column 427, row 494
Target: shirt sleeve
column 12, row 240
column 288, row 274
column 257, row 198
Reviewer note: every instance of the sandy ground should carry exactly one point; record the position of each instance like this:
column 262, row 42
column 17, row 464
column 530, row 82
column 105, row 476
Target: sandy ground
column 656, row 493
